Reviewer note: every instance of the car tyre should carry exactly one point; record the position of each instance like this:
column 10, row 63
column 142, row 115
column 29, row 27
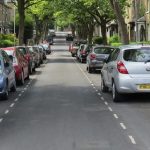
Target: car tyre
column 22, row 78
column 115, row 94
column 89, row 69
column 13, row 88
column 104, row 88
column 5, row 95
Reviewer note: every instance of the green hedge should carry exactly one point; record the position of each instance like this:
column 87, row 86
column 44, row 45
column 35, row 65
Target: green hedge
column 6, row 40
column 114, row 39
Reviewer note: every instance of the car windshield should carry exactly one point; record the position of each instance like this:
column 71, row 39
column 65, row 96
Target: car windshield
column 137, row 55
column 103, row 50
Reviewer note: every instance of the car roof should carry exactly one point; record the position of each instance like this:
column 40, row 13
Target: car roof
column 107, row 46
column 133, row 46
column 8, row 48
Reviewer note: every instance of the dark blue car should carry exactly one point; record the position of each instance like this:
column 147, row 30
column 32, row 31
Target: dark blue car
column 7, row 75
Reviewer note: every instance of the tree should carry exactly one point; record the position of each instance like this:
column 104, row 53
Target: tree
column 22, row 6
column 120, row 19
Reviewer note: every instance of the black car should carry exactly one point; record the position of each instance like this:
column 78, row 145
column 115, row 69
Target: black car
column 69, row 37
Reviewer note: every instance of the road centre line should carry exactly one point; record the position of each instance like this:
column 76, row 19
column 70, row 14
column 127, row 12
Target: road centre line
column 96, row 90
column 16, row 99
column 12, row 105
column 102, row 98
column 110, row 109
column 99, row 94
column 106, row 103
column 115, row 115
column 123, row 126
column 132, row 139
column 20, row 95
column 83, row 72
column 6, row 112
column 1, row 119
column 22, row 91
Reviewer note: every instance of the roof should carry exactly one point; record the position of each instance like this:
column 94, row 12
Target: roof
column 133, row 46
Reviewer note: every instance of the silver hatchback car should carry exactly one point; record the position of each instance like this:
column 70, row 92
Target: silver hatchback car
column 95, row 58
column 127, row 70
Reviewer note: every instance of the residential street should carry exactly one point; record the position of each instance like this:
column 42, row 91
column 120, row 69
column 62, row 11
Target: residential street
column 61, row 107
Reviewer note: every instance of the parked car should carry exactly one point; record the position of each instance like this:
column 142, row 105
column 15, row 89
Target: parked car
column 73, row 47
column 7, row 75
column 95, row 58
column 33, row 54
column 20, row 64
column 83, row 52
column 47, row 47
column 69, row 37
column 37, row 56
column 127, row 70
column 28, row 57
column 43, row 51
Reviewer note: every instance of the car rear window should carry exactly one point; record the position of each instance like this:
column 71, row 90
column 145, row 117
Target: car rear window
column 137, row 55
column 103, row 50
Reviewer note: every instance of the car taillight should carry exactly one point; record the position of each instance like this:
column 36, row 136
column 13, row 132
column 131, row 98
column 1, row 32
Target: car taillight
column 92, row 56
column 121, row 67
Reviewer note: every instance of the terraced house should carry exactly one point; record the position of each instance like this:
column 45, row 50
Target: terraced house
column 137, row 18
column 6, row 15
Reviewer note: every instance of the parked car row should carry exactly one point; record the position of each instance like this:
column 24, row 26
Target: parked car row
column 16, row 64
column 124, row 70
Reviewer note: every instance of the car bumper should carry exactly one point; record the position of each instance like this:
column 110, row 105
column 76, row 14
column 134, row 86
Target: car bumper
column 127, row 84
column 96, row 64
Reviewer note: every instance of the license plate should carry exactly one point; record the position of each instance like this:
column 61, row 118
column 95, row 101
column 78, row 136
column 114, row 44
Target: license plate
column 144, row 86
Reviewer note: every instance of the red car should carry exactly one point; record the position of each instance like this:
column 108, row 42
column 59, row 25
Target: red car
column 20, row 64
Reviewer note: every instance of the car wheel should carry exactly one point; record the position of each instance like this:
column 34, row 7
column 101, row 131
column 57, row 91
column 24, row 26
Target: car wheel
column 72, row 55
column 115, row 95
column 30, row 70
column 13, row 88
column 104, row 88
column 5, row 95
column 89, row 69
column 22, row 78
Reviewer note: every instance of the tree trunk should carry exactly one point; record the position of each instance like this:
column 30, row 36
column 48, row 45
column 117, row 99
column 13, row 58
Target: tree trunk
column 21, row 11
column 121, row 21
column 90, row 33
column 103, row 31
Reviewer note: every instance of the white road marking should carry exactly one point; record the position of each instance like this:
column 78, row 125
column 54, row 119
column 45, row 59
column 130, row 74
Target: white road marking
column 12, row 105
column 94, row 87
column 115, row 115
column 92, row 84
column 1, row 119
column 20, row 95
column 102, row 98
column 110, row 109
column 96, row 90
column 16, row 100
column 99, row 94
column 106, row 103
column 123, row 126
column 132, row 139
column 22, row 91
column 7, row 111
column 25, row 88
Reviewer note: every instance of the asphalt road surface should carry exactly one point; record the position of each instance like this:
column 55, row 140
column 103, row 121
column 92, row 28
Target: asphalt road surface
column 61, row 107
